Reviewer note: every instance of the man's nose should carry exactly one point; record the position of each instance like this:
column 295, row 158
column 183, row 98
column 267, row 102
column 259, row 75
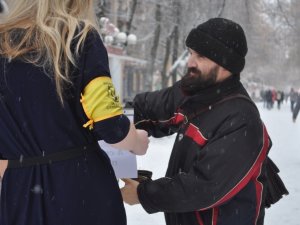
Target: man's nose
column 191, row 62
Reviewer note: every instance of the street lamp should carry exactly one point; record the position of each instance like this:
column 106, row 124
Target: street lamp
column 131, row 39
column 112, row 35
column 108, row 39
column 121, row 38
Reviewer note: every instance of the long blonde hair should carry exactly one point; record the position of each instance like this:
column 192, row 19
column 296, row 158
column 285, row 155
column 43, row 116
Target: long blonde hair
column 41, row 32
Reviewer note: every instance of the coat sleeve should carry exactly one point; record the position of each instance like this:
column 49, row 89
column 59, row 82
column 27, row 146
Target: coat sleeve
column 223, row 167
column 103, row 113
column 155, row 111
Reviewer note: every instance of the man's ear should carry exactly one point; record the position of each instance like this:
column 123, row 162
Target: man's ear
column 223, row 73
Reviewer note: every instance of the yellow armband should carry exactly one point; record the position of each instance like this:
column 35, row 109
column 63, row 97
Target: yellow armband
column 99, row 101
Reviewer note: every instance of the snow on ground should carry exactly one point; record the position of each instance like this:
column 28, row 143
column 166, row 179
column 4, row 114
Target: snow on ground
column 285, row 153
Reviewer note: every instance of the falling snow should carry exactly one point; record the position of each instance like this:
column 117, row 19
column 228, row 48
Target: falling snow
column 285, row 152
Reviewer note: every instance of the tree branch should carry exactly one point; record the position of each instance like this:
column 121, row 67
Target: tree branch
column 284, row 15
column 221, row 10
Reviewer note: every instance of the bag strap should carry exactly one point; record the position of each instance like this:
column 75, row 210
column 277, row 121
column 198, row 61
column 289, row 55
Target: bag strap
column 275, row 186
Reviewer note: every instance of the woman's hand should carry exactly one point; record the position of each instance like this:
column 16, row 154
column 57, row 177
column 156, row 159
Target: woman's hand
column 3, row 166
column 142, row 143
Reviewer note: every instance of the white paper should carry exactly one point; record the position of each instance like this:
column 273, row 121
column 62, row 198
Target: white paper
column 122, row 161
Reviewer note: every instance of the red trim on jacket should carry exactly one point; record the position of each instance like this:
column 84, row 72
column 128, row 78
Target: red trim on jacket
column 255, row 167
column 199, row 219
column 215, row 214
column 259, row 191
column 178, row 118
column 174, row 120
column 193, row 132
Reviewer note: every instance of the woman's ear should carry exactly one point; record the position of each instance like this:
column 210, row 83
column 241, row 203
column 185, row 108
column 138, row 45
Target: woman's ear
column 3, row 7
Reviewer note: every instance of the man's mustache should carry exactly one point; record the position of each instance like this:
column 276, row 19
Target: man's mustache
column 193, row 70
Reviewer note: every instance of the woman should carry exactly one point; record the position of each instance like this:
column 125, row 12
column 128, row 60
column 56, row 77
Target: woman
column 57, row 100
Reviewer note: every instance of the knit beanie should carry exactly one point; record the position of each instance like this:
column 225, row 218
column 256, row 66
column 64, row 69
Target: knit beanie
column 222, row 41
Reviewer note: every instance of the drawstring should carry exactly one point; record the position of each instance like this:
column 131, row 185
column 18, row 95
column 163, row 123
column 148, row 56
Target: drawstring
column 89, row 124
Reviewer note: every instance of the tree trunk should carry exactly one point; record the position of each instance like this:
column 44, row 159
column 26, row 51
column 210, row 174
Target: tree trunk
column 164, row 75
column 132, row 12
column 149, row 76
column 177, row 6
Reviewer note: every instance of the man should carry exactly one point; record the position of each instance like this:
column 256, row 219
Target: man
column 296, row 108
column 293, row 98
column 218, row 166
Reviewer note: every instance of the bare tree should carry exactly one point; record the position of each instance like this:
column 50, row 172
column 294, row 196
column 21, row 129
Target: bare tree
column 271, row 27
column 155, row 45
column 177, row 7
column 132, row 12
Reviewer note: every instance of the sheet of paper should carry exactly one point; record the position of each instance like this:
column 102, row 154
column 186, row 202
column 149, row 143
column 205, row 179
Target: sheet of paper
column 123, row 162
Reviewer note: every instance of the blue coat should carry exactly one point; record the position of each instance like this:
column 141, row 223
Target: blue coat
column 33, row 122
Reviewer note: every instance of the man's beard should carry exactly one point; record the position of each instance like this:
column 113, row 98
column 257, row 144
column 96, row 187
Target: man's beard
column 190, row 85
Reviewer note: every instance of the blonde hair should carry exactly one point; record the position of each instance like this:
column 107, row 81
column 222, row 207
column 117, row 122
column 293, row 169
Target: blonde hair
column 41, row 32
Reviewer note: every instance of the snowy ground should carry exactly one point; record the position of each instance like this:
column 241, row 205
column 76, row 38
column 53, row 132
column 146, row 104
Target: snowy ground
column 284, row 134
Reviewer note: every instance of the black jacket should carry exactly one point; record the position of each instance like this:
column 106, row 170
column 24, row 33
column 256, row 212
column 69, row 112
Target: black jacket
column 216, row 172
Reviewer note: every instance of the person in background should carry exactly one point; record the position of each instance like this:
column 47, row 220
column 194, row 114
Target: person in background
column 218, row 171
column 269, row 99
column 293, row 98
column 296, row 108
column 263, row 97
column 279, row 98
column 57, row 100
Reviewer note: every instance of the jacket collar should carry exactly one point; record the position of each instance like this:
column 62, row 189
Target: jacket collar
column 212, row 94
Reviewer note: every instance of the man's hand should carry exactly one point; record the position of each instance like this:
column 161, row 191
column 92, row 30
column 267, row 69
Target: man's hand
column 129, row 192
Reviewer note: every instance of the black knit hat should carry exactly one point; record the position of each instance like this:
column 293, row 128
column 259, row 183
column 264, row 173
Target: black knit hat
column 222, row 41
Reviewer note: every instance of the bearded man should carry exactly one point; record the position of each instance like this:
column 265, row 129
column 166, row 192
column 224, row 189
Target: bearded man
column 218, row 172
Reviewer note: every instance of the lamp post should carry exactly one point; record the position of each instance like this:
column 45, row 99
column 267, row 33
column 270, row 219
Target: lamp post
column 113, row 37
column 116, row 42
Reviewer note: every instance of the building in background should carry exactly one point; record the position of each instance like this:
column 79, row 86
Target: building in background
column 128, row 72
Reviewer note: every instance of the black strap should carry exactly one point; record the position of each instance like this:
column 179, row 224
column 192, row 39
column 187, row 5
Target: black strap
column 54, row 157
